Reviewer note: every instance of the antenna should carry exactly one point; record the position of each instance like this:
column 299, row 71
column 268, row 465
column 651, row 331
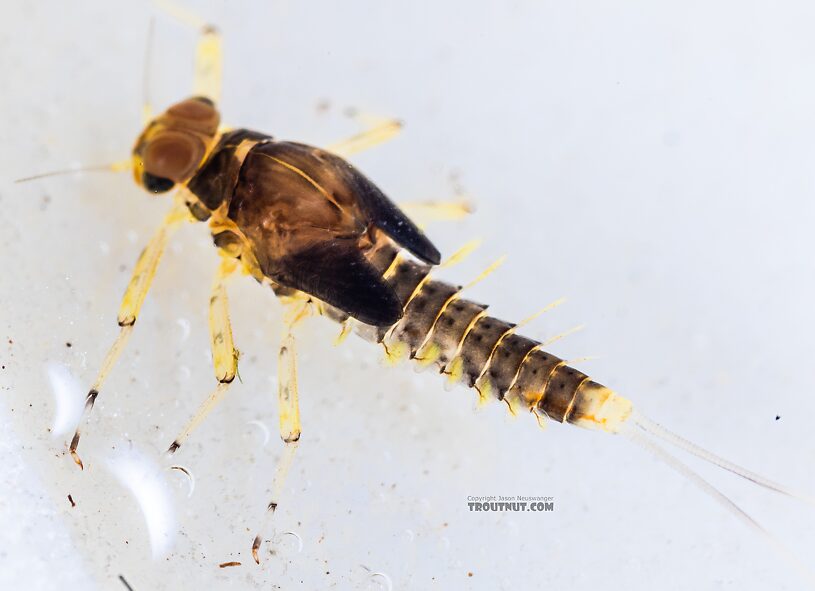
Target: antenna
column 120, row 166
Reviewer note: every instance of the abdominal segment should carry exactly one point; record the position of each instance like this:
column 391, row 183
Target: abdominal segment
column 441, row 329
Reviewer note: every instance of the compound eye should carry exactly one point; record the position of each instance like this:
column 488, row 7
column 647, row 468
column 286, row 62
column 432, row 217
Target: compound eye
column 197, row 113
column 172, row 155
column 156, row 184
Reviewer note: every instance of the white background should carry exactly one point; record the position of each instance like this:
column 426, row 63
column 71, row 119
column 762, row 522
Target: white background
column 651, row 162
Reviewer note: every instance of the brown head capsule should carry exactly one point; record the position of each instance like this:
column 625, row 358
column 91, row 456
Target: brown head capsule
column 172, row 147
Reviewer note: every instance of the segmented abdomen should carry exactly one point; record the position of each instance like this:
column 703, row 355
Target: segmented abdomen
column 439, row 328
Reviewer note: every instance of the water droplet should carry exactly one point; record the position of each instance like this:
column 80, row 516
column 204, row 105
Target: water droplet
column 190, row 478
column 70, row 398
column 146, row 481
column 381, row 581
column 296, row 537
column 264, row 429
column 185, row 328
column 183, row 373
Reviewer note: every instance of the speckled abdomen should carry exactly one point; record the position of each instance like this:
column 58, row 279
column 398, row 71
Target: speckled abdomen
column 441, row 329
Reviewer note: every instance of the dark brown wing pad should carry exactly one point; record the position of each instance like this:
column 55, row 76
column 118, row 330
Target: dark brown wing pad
column 309, row 217
column 387, row 216
column 375, row 205
column 338, row 273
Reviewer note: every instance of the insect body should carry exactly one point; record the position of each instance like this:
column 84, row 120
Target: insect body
column 307, row 221
column 312, row 227
column 305, row 218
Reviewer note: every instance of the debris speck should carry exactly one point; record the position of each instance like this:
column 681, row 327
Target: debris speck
column 71, row 500
column 777, row 417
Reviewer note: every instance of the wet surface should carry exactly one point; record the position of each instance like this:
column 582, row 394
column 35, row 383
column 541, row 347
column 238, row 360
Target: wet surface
column 652, row 166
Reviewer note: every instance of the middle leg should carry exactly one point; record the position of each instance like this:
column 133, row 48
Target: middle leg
column 224, row 353
column 379, row 132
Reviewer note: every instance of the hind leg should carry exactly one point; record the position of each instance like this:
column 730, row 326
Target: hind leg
column 423, row 212
column 289, row 408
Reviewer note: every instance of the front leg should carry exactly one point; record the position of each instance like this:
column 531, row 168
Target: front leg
column 136, row 291
column 208, row 51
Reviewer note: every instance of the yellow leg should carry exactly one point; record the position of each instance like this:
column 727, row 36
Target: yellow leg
column 208, row 65
column 224, row 354
column 423, row 212
column 378, row 133
column 132, row 302
column 380, row 130
column 208, row 54
column 147, row 107
column 289, row 409
column 287, row 391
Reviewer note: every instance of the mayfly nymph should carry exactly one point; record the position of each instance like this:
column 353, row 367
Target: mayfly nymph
column 304, row 222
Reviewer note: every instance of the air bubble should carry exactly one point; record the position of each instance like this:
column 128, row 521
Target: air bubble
column 382, row 581
column 264, row 428
column 185, row 328
column 145, row 480
column 69, row 396
column 296, row 537
column 183, row 372
column 189, row 476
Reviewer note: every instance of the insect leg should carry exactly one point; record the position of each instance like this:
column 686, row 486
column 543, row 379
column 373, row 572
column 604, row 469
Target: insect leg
column 378, row 133
column 224, row 354
column 423, row 212
column 289, row 409
column 147, row 106
column 208, row 53
column 208, row 64
column 132, row 302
